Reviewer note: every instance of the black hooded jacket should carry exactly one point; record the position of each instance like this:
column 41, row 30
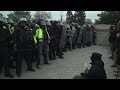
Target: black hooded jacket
column 97, row 70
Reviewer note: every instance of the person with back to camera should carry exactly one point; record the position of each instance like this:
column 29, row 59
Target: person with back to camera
column 96, row 71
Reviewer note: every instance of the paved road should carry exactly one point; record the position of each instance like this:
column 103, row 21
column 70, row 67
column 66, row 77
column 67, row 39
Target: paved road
column 73, row 64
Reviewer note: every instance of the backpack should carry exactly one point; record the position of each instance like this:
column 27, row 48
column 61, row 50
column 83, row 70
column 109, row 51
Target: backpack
column 28, row 39
column 28, row 35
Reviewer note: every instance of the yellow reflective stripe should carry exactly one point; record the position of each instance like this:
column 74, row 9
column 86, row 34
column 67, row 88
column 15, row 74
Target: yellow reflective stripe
column 35, row 40
column 47, row 34
column 11, row 29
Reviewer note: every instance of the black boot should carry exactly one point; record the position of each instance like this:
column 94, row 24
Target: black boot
column 54, row 56
column 62, row 53
column 50, row 56
column 90, row 44
column 114, row 66
column 111, row 57
column 69, row 48
column 31, row 69
column 79, row 45
column 61, row 57
column 38, row 66
column 47, row 63
column 19, row 75
column 9, row 75
column 64, row 50
column 46, row 60
column 73, row 47
column 0, row 70
column 83, row 46
column 57, row 53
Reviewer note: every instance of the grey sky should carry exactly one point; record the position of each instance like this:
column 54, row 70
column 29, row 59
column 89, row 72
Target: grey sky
column 56, row 14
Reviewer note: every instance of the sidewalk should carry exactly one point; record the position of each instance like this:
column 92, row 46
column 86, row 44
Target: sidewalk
column 73, row 64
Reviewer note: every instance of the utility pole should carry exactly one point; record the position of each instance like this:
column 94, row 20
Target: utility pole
column 61, row 16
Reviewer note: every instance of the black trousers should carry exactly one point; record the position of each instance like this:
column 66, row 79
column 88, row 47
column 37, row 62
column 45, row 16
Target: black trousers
column 4, row 59
column 79, row 45
column 94, row 41
column 58, row 48
column 38, row 53
column 27, row 55
column 52, row 49
column 12, row 56
column 45, row 52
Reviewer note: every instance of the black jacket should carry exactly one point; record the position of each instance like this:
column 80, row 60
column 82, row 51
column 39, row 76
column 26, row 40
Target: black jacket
column 20, row 39
column 4, row 37
column 97, row 70
column 112, row 37
column 118, row 50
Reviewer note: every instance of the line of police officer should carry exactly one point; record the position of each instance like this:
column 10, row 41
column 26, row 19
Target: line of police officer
column 75, row 35
column 31, row 41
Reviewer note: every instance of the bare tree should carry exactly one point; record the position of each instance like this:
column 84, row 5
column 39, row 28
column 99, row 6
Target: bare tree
column 42, row 15
column 88, row 21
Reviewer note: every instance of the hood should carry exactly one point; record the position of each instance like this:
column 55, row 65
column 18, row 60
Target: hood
column 96, row 59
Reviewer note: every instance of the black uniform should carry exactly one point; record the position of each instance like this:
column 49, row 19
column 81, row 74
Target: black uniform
column 12, row 52
column 24, row 45
column 58, row 34
column 52, row 55
column 4, row 40
column 118, row 50
column 112, row 39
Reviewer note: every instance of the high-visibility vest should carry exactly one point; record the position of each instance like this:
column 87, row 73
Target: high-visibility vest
column 11, row 29
column 39, row 33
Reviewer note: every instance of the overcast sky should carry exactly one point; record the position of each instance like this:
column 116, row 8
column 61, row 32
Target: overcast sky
column 56, row 14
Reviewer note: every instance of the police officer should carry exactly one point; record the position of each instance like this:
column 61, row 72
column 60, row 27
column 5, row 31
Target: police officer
column 38, row 37
column 46, row 41
column 112, row 39
column 94, row 34
column 79, row 37
column 52, row 55
column 24, row 46
column 83, row 35
column 69, row 37
column 117, row 61
column 74, row 35
column 87, row 35
column 12, row 53
column 90, row 34
column 4, row 41
column 58, row 34
column 64, row 38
